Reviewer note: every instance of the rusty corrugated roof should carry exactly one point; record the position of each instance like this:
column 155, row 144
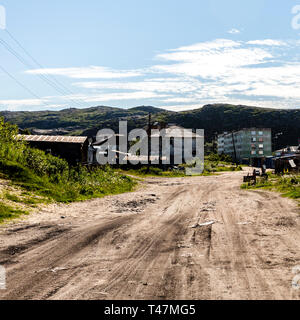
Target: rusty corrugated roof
column 58, row 139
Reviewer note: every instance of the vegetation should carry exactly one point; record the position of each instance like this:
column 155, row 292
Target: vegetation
column 213, row 163
column 153, row 172
column 288, row 185
column 219, row 163
column 48, row 177
column 8, row 213
column 213, row 119
column 220, row 158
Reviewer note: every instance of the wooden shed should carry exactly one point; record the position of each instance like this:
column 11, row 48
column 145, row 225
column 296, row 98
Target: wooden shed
column 74, row 149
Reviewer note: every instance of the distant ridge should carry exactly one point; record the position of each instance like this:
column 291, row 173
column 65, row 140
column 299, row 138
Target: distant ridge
column 148, row 109
column 212, row 118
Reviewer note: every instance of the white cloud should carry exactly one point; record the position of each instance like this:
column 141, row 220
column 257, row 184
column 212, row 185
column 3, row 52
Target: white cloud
column 21, row 102
column 170, row 85
column 182, row 107
column 103, row 97
column 257, row 72
column 267, row 42
column 29, row 104
column 211, row 63
column 234, row 31
column 92, row 72
column 236, row 69
column 208, row 45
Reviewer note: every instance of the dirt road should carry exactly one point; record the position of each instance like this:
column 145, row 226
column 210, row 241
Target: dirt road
column 150, row 244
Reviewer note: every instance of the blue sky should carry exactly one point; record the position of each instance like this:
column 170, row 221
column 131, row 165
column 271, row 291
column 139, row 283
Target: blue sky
column 177, row 55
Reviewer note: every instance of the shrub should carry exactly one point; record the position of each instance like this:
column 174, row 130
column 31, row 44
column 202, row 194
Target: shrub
column 151, row 171
column 51, row 176
column 7, row 212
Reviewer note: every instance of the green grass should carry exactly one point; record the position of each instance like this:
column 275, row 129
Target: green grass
column 210, row 168
column 26, row 198
column 8, row 213
column 152, row 172
column 78, row 186
column 216, row 166
column 288, row 186
column 48, row 178
column 12, row 197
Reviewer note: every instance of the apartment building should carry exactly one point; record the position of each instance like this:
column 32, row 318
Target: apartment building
column 249, row 144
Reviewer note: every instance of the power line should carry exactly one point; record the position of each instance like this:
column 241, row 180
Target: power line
column 35, row 61
column 50, row 82
column 23, row 86
column 30, row 66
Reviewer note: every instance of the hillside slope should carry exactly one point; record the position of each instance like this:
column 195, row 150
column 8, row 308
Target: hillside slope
column 220, row 117
column 212, row 118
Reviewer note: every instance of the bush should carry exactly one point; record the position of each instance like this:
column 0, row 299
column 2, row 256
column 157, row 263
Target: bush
column 43, row 164
column 151, row 171
column 219, row 158
column 51, row 176
column 7, row 212
column 289, row 186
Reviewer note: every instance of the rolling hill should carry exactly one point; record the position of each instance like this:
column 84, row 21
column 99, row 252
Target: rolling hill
column 214, row 118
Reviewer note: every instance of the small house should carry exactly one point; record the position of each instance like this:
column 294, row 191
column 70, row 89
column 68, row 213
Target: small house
column 74, row 149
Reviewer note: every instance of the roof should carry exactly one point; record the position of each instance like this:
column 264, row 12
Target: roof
column 288, row 149
column 176, row 132
column 291, row 156
column 103, row 138
column 243, row 129
column 57, row 139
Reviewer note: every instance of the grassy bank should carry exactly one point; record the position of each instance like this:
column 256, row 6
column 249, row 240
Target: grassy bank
column 45, row 178
column 8, row 212
column 288, row 185
column 210, row 168
column 76, row 184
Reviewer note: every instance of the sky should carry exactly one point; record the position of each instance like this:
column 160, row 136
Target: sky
column 172, row 54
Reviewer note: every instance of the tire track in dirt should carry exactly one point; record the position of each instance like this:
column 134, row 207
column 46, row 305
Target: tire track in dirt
column 159, row 249
column 54, row 253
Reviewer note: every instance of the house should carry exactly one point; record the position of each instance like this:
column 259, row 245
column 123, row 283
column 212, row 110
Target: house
column 290, row 150
column 74, row 149
column 171, row 144
column 287, row 163
column 287, row 160
column 248, row 145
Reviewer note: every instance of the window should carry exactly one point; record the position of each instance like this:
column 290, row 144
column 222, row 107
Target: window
column 261, row 152
column 261, row 146
column 253, row 133
column 253, row 152
column 260, row 133
column 261, row 139
column 253, row 139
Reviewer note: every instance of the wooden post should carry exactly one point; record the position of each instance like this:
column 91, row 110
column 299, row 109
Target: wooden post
column 234, row 149
column 149, row 142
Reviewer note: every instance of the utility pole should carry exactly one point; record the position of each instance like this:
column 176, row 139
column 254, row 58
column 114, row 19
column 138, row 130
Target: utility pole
column 215, row 143
column 275, row 140
column 234, row 149
column 149, row 141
